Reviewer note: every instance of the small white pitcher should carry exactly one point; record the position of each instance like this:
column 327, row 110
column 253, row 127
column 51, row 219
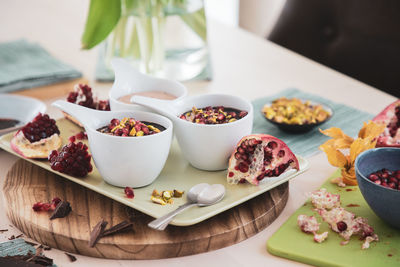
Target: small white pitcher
column 128, row 80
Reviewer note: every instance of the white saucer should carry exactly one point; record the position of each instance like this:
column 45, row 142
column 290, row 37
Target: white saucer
column 19, row 108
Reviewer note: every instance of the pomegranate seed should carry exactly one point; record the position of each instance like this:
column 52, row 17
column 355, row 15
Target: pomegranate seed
column 129, row 192
column 373, row 177
column 40, row 206
column 243, row 167
column 73, row 159
column 272, row 145
column 242, row 181
column 220, row 117
column 40, row 128
column 81, row 136
column 342, row 226
column 241, row 150
column 71, row 139
column 392, row 185
column 231, row 174
column 237, row 155
column 281, row 153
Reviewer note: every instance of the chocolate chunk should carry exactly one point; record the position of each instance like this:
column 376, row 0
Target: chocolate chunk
column 97, row 232
column 11, row 237
column 117, row 228
column 62, row 210
column 72, row 258
column 26, row 260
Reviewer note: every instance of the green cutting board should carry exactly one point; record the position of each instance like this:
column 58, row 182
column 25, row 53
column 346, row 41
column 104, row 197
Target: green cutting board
column 291, row 243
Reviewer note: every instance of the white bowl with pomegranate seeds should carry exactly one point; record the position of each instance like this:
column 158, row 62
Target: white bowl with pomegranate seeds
column 124, row 161
column 129, row 81
column 205, row 146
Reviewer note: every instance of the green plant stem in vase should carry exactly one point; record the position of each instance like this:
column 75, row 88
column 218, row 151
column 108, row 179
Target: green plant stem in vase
column 167, row 38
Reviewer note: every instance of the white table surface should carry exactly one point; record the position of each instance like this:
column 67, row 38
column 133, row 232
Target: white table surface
column 243, row 64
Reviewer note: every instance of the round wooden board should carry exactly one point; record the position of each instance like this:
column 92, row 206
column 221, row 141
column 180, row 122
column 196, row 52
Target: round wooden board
column 26, row 184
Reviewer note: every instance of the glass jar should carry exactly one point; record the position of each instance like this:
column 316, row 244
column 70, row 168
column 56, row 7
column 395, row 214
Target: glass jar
column 165, row 38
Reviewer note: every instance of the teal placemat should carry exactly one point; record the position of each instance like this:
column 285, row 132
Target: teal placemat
column 17, row 247
column 26, row 65
column 349, row 119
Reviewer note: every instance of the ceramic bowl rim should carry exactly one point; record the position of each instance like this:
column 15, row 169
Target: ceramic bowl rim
column 224, row 125
column 168, row 128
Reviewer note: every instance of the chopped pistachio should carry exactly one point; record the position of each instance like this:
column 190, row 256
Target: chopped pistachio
column 132, row 132
column 166, row 195
column 158, row 200
column 294, row 111
column 156, row 193
column 178, row 193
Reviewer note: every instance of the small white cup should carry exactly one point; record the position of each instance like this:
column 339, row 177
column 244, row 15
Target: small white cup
column 123, row 161
column 205, row 146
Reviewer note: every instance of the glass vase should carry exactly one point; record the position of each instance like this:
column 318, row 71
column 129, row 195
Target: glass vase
column 165, row 38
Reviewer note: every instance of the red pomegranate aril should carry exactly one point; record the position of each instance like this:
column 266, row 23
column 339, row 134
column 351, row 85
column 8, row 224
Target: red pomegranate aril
column 129, row 192
column 231, row 174
column 386, row 178
column 242, row 181
column 72, row 139
column 35, row 131
column 272, row 145
column 237, row 155
column 73, row 159
column 342, row 226
column 243, row 167
column 241, row 150
column 281, row 153
column 373, row 177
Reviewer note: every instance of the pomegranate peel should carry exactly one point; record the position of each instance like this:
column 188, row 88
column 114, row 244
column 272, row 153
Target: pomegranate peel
column 390, row 116
column 258, row 156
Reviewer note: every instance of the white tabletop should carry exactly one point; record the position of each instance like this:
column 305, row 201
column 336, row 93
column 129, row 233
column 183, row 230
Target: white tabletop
column 243, row 64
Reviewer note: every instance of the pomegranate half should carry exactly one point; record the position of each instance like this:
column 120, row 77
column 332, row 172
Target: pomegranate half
column 37, row 138
column 258, row 156
column 390, row 116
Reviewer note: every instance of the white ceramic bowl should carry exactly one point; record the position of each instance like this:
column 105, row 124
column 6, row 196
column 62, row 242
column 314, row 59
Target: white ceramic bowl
column 20, row 108
column 128, row 80
column 206, row 147
column 124, row 161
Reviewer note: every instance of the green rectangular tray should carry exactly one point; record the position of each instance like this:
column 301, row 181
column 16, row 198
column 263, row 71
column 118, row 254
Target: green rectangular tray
column 177, row 174
column 291, row 243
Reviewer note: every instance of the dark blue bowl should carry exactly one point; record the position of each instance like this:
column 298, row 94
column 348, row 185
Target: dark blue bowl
column 385, row 202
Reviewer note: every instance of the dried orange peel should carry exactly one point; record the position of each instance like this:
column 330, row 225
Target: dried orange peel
column 334, row 147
